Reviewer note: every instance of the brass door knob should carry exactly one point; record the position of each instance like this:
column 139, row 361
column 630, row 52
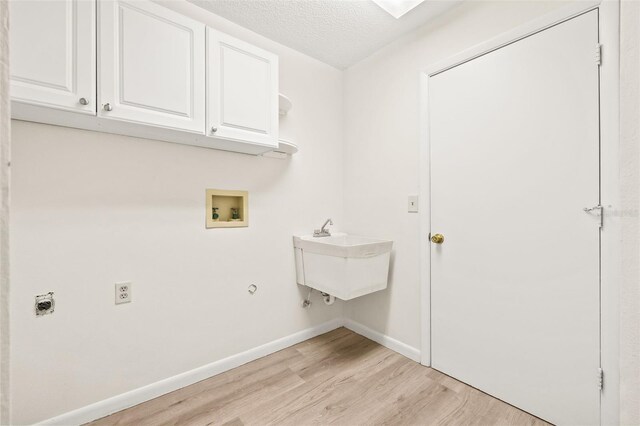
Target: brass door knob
column 437, row 239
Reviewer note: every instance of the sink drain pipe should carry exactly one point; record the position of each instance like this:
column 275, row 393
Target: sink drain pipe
column 328, row 299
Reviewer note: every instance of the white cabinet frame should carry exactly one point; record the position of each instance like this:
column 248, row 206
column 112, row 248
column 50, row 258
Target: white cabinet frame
column 252, row 132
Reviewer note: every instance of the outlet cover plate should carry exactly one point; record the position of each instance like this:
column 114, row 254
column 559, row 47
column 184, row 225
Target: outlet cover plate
column 413, row 204
column 123, row 292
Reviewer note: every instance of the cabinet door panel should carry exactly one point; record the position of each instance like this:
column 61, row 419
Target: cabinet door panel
column 53, row 53
column 152, row 65
column 243, row 90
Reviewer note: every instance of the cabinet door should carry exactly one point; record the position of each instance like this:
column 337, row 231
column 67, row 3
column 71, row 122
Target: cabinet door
column 242, row 92
column 152, row 65
column 53, row 54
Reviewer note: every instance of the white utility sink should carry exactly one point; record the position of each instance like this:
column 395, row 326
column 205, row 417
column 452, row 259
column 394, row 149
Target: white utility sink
column 342, row 265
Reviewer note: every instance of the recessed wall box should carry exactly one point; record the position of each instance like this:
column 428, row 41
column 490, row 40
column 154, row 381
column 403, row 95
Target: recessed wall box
column 226, row 209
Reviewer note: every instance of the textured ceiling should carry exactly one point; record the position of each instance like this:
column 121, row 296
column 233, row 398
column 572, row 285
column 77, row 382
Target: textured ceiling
column 337, row 32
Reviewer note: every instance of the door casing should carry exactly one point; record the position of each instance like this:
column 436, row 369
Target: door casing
column 610, row 256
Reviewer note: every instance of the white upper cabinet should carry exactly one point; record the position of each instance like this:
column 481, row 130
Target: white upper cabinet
column 135, row 67
column 242, row 95
column 53, row 48
column 152, row 65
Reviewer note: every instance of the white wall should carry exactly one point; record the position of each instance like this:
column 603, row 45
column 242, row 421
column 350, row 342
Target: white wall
column 91, row 209
column 5, row 145
column 382, row 145
column 630, row 156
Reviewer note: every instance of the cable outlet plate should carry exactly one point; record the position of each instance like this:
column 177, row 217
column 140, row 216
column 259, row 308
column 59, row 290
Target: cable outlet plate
column 123, row 292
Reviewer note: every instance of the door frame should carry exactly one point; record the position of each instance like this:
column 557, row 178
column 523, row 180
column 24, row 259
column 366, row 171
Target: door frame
column 610, row 241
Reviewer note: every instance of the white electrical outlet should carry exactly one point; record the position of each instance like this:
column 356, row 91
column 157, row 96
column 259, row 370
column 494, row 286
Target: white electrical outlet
column 123, row 292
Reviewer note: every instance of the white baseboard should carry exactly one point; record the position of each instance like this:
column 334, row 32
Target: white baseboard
column 145, row 393
column 389, row 342
column 137, row 396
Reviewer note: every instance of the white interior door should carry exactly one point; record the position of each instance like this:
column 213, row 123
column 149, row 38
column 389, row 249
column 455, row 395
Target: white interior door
column 53, row 60
column 152, row 65
column 514, row 160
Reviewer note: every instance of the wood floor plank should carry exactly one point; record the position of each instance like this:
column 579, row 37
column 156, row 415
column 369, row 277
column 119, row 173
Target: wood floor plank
column 352, row 408
column 331, row 380
column 414, row 400
column 339, row 378
column 222, row 384
column 214, row 409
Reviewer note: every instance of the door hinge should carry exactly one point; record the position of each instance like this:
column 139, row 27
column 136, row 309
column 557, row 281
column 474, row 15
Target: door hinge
column 600, row 379
column 598, row 54
column 598, row 210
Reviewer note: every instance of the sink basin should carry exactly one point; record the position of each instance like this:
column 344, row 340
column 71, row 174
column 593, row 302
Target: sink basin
column 342, row 265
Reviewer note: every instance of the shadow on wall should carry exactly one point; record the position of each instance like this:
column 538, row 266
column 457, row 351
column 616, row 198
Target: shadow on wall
column 385, row 309
column 380, row 301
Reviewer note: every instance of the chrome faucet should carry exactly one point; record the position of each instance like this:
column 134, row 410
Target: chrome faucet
column 322, row 232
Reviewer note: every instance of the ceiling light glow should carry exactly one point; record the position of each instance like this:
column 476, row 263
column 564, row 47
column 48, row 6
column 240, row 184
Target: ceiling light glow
column 397, row 8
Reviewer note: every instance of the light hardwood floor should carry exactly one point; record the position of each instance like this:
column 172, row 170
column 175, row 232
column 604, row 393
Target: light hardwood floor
column 337, row 378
